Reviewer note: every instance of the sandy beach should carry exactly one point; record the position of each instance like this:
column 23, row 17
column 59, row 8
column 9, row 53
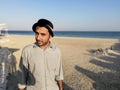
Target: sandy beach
column 85, row 67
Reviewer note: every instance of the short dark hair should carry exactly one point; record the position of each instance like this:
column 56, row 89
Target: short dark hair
column 44, row 23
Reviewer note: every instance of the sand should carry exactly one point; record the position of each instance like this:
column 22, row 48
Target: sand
column 84, row 67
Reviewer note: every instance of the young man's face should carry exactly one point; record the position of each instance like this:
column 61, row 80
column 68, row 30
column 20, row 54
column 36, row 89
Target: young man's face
column 42, row 37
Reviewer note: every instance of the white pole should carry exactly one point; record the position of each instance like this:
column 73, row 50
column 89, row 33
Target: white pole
column 3, row 72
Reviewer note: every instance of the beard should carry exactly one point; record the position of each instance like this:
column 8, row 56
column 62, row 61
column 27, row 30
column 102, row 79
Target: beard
column 42, row 43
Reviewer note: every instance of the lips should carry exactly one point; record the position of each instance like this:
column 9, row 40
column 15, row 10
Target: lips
column 39, row 41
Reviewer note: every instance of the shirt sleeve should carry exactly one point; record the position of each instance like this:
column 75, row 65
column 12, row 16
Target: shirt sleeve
column 59, row 69
column 22, row 73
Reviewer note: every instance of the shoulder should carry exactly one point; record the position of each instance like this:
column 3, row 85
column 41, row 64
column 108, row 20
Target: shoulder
column 28, row 47
column 55, row 48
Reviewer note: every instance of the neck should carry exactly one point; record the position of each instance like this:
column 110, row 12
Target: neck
column 45, row 46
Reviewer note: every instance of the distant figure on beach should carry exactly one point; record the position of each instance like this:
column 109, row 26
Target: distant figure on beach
column 40, row 63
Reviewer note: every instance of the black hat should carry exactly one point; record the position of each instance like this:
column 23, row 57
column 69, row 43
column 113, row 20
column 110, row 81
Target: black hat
column 44, row 23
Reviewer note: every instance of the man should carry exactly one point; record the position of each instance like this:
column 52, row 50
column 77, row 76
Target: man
column 40, row 64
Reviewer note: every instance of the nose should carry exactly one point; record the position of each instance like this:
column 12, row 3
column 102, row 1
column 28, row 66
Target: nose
column 38, row 37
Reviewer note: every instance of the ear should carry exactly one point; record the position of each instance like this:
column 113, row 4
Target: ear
column 50, row 36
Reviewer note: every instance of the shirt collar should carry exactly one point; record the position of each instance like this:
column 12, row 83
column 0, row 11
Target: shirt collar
column 51, row 46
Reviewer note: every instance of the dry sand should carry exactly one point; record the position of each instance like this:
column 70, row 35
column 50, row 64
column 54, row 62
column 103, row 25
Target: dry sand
column 84, row 69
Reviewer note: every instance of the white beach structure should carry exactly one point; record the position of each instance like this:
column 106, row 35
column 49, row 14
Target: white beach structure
column 3, row 37
column 2, row 26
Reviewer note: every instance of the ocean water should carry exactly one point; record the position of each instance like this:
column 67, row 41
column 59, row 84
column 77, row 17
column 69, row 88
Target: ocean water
column 84, row 34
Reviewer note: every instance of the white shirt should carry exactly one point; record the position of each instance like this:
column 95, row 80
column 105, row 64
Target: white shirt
column 44, row 68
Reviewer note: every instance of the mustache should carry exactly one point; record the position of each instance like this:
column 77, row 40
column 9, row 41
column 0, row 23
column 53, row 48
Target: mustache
column 39, row 41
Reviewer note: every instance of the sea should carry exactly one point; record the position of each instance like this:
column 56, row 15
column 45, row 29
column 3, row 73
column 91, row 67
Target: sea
column 78, row 34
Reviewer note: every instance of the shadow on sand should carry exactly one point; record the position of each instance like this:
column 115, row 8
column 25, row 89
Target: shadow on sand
column 66, row 87
column 105, row 80
column 12, row 78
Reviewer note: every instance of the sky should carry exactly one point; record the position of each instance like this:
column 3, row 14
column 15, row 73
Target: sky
column 79, row 15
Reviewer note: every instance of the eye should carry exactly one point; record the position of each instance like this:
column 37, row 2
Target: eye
column 43, row 34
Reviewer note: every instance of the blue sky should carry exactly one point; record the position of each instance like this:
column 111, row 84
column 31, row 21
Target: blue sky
column 82, row 15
